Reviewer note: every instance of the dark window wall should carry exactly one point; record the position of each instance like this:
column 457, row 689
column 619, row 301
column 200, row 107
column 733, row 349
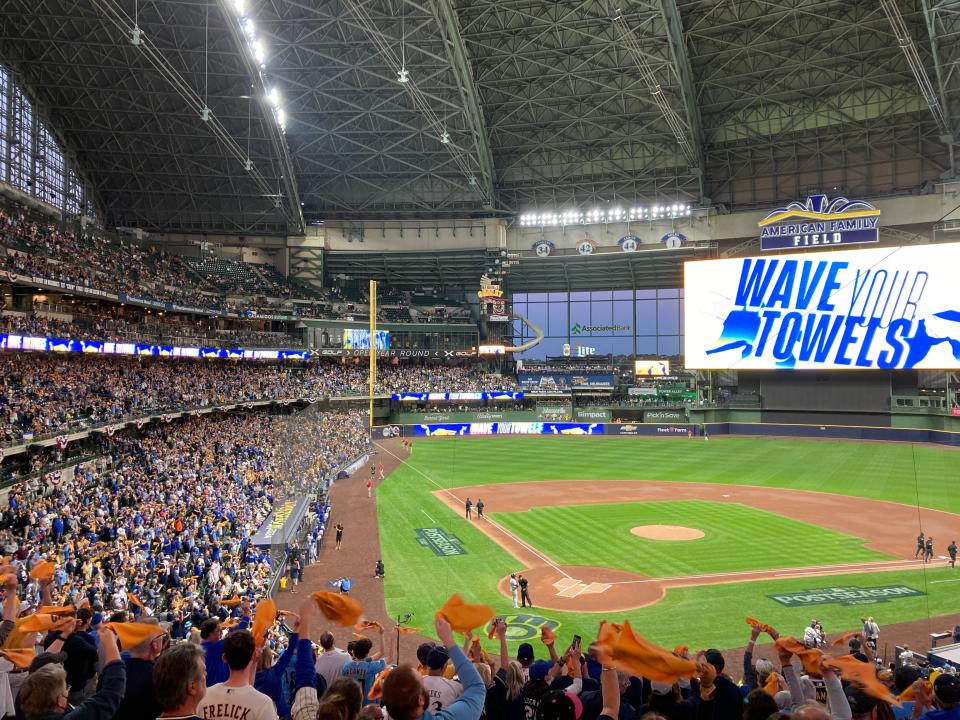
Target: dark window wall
column 642, row 322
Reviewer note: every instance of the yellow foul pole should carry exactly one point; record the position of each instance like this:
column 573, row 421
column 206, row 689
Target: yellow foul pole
column 373, row 344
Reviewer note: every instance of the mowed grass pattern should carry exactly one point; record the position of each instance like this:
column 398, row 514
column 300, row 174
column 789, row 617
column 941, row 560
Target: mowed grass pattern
column 419, row 581
column 736, row 537
column 884, row 471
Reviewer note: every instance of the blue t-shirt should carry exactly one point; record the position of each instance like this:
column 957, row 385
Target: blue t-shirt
column 364, row 672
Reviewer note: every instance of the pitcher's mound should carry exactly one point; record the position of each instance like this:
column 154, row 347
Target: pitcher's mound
column 667, row 532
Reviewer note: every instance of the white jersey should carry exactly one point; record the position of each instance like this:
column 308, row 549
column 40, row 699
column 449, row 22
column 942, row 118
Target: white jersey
column 244, row 702
column 442, row 692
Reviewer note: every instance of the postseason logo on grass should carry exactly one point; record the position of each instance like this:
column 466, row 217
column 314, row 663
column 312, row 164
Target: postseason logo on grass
column 846, row 595
column 440, row 541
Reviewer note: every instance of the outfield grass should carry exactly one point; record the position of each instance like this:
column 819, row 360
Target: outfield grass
column 736, row 537
column 884, row 471
column 419, row 581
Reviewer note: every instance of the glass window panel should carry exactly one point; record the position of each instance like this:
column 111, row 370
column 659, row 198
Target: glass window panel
column 519, row 297
column 646, row 294
column 668, row 345
column 647, row 345
column 558, row 297
column 646, row 317
column 558, row 319
column 602, row 295
column 623, row 294
column 668, row 293
column 579, row 296
column 623, row 315
column 21, row 142
column 601, row 313
column 668, row 317
column 547, row 346
column 537, row 314
column 537, row 297
column 579, row 315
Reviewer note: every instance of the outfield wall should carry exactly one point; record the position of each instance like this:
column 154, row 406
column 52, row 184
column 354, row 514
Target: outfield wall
column 832, row 432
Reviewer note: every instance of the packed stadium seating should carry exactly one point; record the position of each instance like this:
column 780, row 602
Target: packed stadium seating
column 158, row 330
column 52, row 394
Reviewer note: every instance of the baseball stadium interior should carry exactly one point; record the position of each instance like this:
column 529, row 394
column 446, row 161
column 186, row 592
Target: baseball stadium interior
column 462, row 359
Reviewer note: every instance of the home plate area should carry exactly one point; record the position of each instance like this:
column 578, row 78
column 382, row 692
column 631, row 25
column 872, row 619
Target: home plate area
column 571, row 587
column 580, row 588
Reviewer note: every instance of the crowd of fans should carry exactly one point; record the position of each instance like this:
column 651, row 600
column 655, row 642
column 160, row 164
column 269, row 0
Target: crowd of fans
column 166, row 514
column 43, row 394
column 157, row 331
column 234, row 671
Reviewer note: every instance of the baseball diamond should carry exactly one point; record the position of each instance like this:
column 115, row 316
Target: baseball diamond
column 756, row 503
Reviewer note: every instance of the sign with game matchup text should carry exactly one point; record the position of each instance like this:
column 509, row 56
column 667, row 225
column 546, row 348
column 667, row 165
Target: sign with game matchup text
column 880, row 308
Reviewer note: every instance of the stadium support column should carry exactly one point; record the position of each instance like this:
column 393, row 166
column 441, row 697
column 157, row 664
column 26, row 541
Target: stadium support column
column 373, row 344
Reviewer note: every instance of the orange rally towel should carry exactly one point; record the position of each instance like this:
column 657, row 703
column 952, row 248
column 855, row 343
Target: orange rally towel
column 263, row 619
column 366, row 625
column 230, row 623
column 232, row 602
column 359, row 636
column 10, row 579
column 681, row 650
column 492, row 630
column 763, row 627
column 340, row 609
column 810, row 657
column 136, row 601
column 43, row 571
column 608, row 633
column 464, row 617
column 41, row 623
column 638, row 656
column 58, row 610
column 863, row 675
column 548, row 636
column 376, row 690
column 21, row 658
column 406, row 630
column 772, row 686
column 132, row 634
column 844, row 639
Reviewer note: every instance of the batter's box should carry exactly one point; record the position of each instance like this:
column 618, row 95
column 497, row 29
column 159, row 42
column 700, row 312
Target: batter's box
column 571, row 588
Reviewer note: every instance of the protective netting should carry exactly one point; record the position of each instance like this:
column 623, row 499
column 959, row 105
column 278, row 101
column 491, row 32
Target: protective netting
column 312, row 447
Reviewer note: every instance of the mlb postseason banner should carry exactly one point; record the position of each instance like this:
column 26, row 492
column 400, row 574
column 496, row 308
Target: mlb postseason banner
column 439, row 397
column 507, row 428
column 882, row 308
column 18, row 342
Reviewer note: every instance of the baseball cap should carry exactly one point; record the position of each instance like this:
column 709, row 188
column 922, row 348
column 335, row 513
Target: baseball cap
column 525, row 652
column 423, row 651
column 437, row 658
column 947, row 689
column 539, row 669
column 559, row 705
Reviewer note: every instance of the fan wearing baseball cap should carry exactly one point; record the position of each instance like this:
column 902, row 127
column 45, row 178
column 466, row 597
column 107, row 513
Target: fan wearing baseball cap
column 441, row 691
column 944, row 704
column 405, row 696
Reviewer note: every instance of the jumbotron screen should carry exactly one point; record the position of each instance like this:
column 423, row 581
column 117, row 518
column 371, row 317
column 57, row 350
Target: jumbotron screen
column 882, row 308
